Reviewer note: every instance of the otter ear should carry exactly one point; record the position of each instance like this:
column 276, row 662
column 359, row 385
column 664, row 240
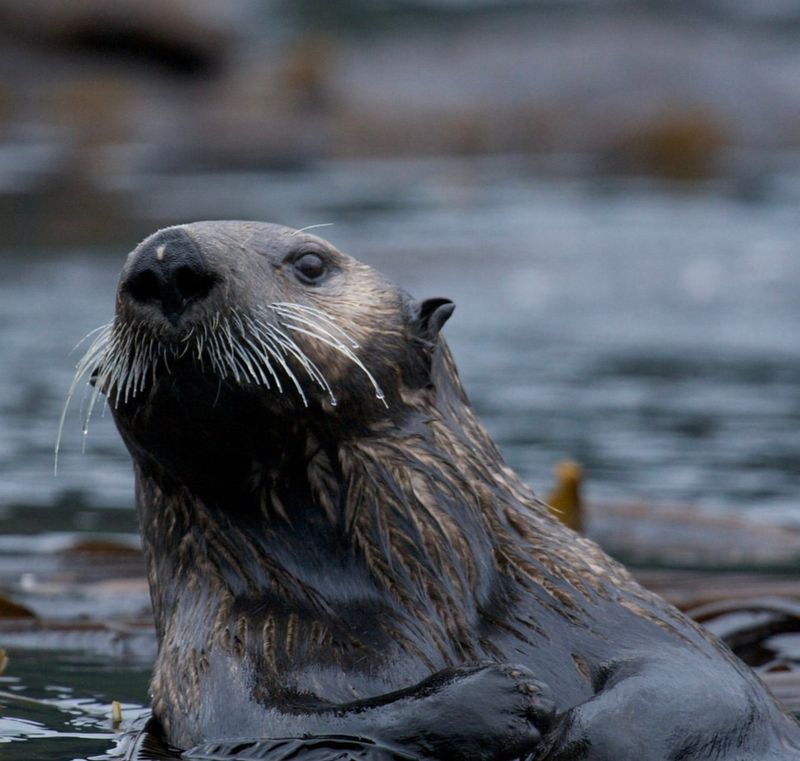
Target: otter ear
column 431, row 316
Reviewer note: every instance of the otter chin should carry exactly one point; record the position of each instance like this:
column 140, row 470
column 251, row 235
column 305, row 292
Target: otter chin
column 341, row 564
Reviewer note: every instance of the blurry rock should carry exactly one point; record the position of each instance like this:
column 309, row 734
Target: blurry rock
column 11, row 609
column 67, row 210
column 101, row 548
column 679, row 145
column 366, row 130
column 6, row 104
column 565, row 499
column 306, row 72
column 94, row 109
column 186, row 37
column 529, row 128
column 272, row 110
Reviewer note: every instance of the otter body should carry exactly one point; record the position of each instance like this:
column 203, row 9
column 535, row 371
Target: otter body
column 336, row 547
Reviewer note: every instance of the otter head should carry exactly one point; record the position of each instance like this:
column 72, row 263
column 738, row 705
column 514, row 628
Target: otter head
column 240, row 339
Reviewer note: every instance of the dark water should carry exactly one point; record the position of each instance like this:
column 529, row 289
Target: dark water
column 61, row 710
column 652, row 334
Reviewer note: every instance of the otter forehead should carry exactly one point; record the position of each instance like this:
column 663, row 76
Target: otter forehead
column 231, row 238
column 179, row 274
column 266, row 239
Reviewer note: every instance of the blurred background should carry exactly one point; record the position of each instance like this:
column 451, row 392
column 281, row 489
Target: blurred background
column 609, row 190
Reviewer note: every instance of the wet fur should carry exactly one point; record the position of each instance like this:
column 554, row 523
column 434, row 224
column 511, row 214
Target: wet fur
column 304, row 557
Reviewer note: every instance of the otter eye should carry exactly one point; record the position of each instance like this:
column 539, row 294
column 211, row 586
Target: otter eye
column 310, row 267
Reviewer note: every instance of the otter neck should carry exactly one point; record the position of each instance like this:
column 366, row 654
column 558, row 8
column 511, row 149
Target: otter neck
column 401, row 513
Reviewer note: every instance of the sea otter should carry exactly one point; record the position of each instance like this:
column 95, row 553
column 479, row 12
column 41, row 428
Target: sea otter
column 342, row 566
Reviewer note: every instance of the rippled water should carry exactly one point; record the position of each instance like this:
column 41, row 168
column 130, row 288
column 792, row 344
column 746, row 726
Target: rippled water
column 56, row 706
column 651, row 334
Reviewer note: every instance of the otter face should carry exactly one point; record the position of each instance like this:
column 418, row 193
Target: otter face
column 249, row 305
column 261, row 323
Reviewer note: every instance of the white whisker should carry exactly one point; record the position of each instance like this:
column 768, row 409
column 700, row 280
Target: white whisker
column 93, row 354
column 272, row 346
column 77, row 346
column 288, row 344
column 251, row 336
column 126, row 359
column 342, row 349
column 322, row 324
column 313, row 227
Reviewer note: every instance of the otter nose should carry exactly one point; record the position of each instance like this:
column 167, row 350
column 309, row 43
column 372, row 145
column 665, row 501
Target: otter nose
column 168, row 272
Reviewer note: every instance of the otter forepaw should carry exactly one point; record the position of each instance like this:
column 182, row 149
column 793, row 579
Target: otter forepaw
column 484, row 713
column 537, row 697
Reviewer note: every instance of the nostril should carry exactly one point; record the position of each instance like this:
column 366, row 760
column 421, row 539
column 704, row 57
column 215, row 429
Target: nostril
column 168, row 272
column 172, row 289
column 191, row 284
column 144, row 286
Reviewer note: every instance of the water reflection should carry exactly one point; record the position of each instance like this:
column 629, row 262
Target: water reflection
column 44, row 720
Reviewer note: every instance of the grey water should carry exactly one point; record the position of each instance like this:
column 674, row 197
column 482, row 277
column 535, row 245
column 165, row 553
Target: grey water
column 651, row 332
